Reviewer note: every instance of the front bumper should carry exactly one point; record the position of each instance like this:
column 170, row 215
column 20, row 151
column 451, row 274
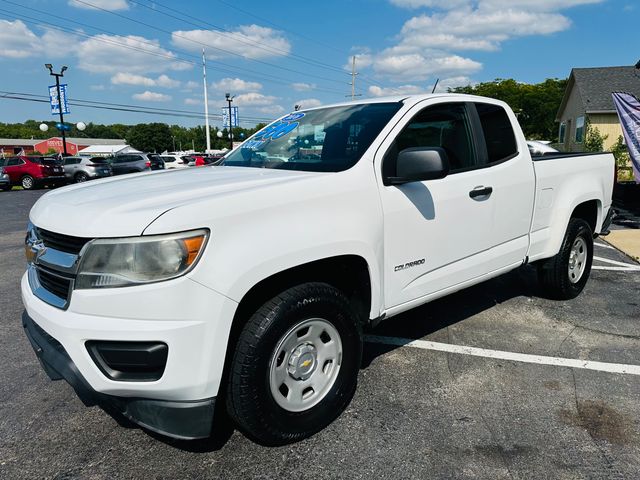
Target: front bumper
column 184, row 420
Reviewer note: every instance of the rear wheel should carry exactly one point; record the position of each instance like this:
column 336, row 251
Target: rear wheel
column 564, row 276
column 295, row 366
column 28, row 183
column 81, row 177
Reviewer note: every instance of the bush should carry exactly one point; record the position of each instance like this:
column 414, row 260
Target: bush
column 623, row 160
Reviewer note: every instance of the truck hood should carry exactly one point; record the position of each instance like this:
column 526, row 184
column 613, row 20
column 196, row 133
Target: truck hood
column 125, row 206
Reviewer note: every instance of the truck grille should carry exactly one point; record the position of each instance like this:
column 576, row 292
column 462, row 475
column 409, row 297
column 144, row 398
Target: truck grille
column 61, row 242
column 56, row 284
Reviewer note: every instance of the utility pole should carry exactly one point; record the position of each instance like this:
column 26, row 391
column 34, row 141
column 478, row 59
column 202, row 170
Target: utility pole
column 58, row 75
column 206, row 102
column 353, row 80
column 229, row 100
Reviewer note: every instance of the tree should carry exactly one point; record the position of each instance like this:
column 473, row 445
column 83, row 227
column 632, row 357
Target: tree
column 150, row 137
column 623, row 159
column 593, row 139
column 535, row 105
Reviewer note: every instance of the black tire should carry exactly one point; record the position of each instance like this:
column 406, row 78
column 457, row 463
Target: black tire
column 27, row 182
column 554, row 275
column 249, row 400
column 81, row 177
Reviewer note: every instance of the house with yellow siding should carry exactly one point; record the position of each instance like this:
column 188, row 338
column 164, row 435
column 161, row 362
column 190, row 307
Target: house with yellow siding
column 588, row 100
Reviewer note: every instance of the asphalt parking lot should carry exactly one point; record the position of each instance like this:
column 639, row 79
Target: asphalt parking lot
column 512, row 406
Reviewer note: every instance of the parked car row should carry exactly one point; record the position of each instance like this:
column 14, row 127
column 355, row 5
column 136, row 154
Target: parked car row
column 31, row 172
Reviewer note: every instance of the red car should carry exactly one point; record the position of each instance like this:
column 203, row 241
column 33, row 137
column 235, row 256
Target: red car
column 33, row 172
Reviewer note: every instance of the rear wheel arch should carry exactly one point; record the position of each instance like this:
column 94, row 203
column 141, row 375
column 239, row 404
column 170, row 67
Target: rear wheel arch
column 589, row 211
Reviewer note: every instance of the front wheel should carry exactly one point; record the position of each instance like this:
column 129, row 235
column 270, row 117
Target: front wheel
column 295, row 365
column 564, row 276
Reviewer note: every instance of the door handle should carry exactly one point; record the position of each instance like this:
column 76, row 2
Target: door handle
column 481, row 191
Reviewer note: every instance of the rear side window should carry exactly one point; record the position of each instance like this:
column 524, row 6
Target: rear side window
column 498, row 132
column 12, row 162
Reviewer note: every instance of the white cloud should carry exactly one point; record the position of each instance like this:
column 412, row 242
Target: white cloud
column 109, row 54
column 309, row 103
column 303, row 87
column 17, row 40
column 430, row 44
column 419, row 66
column 97, row 88
column 193, row 101
column 132, row 79
column 191, row 85
column 249, row 41
column 273, row 110
column 148, row 96
column 110, row 5
column 377, row 91
column 255, row 99
column 236, row 85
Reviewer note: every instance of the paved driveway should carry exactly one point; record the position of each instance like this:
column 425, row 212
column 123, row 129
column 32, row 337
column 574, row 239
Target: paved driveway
column 549, row 390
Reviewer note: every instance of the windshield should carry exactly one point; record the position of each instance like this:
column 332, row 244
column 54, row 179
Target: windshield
column 324, row 140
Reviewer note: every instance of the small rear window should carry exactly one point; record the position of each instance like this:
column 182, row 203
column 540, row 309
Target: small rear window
column 498, row 132
column 99, row 160
column 168, row 159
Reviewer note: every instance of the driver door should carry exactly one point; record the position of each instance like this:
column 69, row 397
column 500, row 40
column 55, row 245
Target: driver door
column 433, row 229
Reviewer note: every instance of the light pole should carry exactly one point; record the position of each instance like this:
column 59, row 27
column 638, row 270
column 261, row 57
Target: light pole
column 58, row 75
column 229, row 100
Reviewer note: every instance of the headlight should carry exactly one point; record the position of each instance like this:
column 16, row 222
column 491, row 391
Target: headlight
column 123, row 262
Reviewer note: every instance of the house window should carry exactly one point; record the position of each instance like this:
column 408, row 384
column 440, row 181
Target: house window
column 562, row 132
column 579, row 129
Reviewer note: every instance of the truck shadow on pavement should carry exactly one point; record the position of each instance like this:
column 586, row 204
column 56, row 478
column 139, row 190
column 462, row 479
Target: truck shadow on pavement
column 422, row 321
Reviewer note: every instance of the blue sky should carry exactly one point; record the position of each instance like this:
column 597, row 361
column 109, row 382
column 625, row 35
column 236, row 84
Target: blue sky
column 273, row 55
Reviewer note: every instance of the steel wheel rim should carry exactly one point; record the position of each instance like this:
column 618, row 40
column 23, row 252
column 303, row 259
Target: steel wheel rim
column 81, row 178
column 27, row 182
column 577, row 260
column 305, row 364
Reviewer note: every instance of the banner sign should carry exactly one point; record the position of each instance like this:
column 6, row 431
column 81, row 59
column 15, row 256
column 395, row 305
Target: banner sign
column 628, row 108
column 234, row 117
column 55, row 103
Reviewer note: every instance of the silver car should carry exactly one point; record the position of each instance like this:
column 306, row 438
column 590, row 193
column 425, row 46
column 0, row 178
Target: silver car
column 81, row 169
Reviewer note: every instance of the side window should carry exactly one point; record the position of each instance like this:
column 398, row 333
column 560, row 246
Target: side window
column 71, row 160
column 123, row 158
column 12, row 162
column 445, row 125
column 579, row 129
column 498, row 132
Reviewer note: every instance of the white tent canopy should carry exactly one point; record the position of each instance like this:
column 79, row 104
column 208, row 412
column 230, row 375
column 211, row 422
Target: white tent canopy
column 105, row 150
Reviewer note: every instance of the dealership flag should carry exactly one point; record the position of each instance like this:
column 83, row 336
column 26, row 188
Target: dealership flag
column 628, row 108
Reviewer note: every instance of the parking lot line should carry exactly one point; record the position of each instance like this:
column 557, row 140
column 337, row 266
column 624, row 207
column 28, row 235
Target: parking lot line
column 603, row 245
column 502, row 355
column 619, row 266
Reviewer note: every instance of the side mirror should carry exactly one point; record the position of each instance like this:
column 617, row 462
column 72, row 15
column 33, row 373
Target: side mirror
column 420, row 163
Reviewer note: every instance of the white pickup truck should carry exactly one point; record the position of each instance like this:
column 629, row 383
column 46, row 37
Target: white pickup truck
column 247, row 285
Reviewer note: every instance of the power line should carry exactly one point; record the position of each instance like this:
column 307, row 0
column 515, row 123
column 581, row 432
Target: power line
column 281, row 28
column 121, row 106
column 234, row 35
column 263, row 76
column 202, row 44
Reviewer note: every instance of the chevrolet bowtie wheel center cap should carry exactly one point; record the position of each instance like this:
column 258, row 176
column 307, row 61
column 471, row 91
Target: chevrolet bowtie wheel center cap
column 302, row 361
